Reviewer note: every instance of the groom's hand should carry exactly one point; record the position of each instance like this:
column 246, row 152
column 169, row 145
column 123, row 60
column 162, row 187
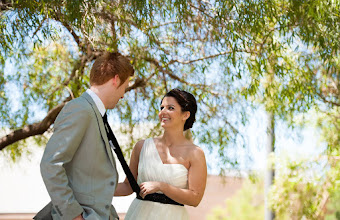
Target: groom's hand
column 149, row 188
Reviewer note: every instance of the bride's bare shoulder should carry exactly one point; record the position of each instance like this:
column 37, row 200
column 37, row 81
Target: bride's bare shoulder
column 139, row 145
column 196, row 151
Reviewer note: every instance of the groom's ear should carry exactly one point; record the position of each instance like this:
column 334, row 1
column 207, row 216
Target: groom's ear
column 116, row 81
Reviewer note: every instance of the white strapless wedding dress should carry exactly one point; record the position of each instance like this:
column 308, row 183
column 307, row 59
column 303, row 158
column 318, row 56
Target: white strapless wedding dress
column 151, row 168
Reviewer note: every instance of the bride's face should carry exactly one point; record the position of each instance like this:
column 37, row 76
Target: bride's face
column 170, row 114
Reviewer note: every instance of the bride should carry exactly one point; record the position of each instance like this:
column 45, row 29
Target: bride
column 171, row 164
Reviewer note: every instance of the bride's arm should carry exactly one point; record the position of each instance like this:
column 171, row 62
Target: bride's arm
column 124, row 188
column 197, row 178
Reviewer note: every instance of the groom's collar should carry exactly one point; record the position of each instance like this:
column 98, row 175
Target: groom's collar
column 97, row 101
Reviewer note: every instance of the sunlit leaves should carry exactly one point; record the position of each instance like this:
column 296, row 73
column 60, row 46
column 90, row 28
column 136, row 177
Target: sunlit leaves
column 229, row 54
column 300, row 188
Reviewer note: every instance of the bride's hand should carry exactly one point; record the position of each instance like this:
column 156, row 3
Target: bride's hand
column 149, row 188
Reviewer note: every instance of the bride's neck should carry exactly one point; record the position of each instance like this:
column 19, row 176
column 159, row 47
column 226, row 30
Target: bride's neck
column 173, row 137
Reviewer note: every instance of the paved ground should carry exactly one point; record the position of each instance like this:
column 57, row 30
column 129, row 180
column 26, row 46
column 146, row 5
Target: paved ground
column 217, row 191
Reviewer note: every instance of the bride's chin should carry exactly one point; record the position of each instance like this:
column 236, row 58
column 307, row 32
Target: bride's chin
column 164, row 125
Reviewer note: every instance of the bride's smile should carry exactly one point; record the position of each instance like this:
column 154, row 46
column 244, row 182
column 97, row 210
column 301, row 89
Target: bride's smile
column 171, row 114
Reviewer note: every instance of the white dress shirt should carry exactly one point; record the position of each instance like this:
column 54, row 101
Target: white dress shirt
column 98, row 102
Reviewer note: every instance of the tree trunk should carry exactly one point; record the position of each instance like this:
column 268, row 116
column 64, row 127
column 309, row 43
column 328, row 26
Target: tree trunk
column 270, row 172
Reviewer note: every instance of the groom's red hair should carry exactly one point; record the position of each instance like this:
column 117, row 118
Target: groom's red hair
column 108, row 66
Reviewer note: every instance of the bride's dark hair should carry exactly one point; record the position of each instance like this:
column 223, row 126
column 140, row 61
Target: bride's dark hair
column 187, row 102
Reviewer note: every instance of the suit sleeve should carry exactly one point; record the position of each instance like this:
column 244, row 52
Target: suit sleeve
column 70, row 127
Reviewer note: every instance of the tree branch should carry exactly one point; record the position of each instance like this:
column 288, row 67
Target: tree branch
column 74, row 35
column 201, row 10
column 39, row 27
column 165, row 83
column 91, row 55
column 33, row 129
column 327, row 101
column 76, row 38
column 112, row 18
column 162, row 25
column 202, row 58
column 114, row 36
column 170, row 73
column 4, row 5
column 173, row 76
column 139, row 82
column 79, row 65
column 163, row 70
column 40, row 127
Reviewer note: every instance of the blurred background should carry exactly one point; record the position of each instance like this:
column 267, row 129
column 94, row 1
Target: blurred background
column 265, row 75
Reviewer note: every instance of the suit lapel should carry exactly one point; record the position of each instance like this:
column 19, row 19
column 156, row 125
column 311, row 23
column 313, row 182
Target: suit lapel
column 101, row 127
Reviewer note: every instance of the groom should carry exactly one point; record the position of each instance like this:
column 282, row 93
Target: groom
column 78, row 167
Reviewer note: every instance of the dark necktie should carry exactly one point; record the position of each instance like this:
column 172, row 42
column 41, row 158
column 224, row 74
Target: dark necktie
column 155, row 197
column 115, row 146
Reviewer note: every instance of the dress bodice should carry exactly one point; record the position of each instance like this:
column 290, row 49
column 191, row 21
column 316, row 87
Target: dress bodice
column 151, row 168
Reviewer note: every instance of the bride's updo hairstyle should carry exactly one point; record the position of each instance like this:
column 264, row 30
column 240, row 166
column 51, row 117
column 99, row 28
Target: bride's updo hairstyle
column 187, row 102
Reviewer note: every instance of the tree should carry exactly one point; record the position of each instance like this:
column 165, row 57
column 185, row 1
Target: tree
column 58, row 42
column 307, row 188
column 219, row 51
column 232, row 55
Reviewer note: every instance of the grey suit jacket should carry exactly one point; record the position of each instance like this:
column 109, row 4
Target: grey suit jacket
column 78, row 167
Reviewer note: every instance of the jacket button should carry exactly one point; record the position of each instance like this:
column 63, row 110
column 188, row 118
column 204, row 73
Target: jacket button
column 112, row 183
column 107, row 206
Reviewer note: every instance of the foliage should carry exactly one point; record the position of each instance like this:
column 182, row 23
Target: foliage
column 333, row 206
column 283, row 53
column 330, row 123
column 53, row 64
column 309, row 188
column 231, row 55
column 304, row 190
column 247, row 203
column 297, row 192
